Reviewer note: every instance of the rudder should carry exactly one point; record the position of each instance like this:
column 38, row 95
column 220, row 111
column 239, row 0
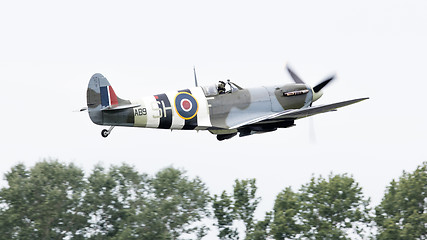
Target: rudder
column 101, row 95
column 100, row 92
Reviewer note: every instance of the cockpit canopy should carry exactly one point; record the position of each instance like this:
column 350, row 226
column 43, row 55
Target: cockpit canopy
column 212, row 90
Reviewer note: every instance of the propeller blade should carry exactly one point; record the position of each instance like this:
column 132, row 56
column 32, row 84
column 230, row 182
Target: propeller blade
column 294, row 76
column 319, row 86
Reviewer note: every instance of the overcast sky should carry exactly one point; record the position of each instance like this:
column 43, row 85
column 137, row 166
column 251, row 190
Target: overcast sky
column 50, row 49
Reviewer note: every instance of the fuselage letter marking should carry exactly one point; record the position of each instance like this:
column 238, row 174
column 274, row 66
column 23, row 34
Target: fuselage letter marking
column 140, row 111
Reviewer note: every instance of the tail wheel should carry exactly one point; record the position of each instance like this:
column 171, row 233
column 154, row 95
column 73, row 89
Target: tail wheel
column 105, row 133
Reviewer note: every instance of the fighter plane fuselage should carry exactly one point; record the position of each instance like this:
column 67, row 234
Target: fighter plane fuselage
column 224, row 113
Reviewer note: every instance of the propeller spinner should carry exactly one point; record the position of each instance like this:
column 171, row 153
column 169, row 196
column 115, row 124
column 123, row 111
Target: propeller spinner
column 317, row 93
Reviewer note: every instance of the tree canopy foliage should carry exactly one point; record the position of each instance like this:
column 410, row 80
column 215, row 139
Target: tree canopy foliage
column 329, row 208
column 43, row 202
column 402, row 213
column 238, row 206
column 54, row 200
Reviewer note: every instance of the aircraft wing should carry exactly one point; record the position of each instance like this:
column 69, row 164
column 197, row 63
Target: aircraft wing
column 299, row 113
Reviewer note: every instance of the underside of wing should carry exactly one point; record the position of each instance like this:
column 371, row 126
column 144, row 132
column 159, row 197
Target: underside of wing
column 293, row 114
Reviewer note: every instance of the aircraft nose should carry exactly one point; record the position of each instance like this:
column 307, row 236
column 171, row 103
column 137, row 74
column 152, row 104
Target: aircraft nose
column 317, row 95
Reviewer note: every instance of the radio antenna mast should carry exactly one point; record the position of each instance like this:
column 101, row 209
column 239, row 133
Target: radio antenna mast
column 195, row 76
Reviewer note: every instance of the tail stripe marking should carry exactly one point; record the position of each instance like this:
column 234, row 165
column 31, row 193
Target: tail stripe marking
column 113, row 96
column 105, row 100
column 108, row 96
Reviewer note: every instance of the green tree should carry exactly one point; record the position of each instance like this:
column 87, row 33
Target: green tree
column 111, row 199
column 53, row 200
column 241, row 205
column 329, row 208
column 245, row 202
column 402, row 213
column 286, row 223
column 44, row 202
column 169, row 207
column 261, row 229
column 224, row 214
column 334, row 207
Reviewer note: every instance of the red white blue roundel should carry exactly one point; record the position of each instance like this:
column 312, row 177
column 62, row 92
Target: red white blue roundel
column 186, row 105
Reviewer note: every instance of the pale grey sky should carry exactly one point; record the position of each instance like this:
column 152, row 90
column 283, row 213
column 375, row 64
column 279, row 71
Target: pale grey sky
column 50, row 49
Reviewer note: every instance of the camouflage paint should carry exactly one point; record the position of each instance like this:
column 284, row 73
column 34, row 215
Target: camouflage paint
column 259, row 105
column 221, row 105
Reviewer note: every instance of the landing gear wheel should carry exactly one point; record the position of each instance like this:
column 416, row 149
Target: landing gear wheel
column 105, row 133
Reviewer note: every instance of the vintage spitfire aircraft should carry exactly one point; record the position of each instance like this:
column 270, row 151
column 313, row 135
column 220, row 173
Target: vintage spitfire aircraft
column 223, row 112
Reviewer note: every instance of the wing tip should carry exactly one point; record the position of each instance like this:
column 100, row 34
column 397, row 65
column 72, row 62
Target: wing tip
column 363, row 99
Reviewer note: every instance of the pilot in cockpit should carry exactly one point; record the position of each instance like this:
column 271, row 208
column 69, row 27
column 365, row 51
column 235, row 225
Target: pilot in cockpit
column 221, row 87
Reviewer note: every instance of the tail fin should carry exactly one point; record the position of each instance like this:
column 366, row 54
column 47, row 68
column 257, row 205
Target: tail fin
column 100, row 95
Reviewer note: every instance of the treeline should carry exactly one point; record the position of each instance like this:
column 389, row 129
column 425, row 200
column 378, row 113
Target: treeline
column 54, row 200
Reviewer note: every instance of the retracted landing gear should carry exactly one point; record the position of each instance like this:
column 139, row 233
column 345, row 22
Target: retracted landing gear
column 106, row 132
column 222, row 137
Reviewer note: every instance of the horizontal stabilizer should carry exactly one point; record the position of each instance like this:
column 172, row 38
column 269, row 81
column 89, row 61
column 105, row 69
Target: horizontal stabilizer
column 120, row 107
column 80, row 109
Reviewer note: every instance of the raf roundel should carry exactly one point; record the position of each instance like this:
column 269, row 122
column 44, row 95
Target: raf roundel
column 186, row 105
